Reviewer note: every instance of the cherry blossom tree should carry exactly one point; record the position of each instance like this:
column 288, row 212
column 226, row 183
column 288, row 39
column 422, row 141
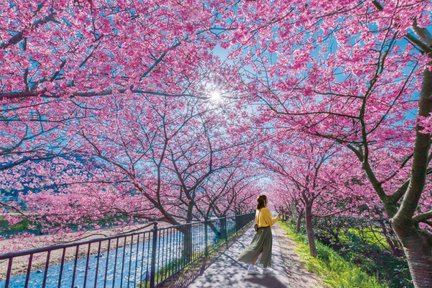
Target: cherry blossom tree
column 352, row 72
column 229, row 192
column 76, row 49
column 311, row 176
column 154, row 156
column 56, row 55
column 127, row 84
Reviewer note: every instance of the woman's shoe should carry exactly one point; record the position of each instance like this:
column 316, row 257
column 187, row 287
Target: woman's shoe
column 252, row 270
column 268, row 271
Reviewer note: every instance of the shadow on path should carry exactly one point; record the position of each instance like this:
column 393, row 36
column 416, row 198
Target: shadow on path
column 265, row 281
column 226, row 271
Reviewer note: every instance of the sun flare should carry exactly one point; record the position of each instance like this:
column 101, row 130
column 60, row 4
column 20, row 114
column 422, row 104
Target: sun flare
column 215, row 96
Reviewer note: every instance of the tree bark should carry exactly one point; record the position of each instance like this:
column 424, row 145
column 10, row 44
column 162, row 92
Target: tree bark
column 416, row 244
column 223, row 227
column 299, row 220
column 187, row 243
column 418, row 252
column 309, row 230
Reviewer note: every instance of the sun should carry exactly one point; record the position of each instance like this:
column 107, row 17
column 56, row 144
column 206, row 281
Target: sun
column 215, row 96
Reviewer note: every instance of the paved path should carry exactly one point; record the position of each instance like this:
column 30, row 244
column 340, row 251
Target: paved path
column 226, row 271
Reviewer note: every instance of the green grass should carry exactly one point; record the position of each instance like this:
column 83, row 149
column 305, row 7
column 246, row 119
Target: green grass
column 332, row 268
column 369, row 250
column 5, row 227
column 369, row 237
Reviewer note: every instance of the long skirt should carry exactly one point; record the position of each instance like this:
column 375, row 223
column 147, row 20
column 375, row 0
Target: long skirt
column 261, row 244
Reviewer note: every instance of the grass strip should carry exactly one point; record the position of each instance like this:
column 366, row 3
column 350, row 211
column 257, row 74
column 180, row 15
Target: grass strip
column 332, row 268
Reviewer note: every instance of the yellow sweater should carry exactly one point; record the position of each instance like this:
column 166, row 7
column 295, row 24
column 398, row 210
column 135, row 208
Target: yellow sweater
column 264, row 218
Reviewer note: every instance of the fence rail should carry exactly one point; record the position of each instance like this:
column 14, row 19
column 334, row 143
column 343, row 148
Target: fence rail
column 141, row 259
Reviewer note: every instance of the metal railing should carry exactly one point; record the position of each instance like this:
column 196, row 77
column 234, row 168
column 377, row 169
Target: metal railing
column 142, row 259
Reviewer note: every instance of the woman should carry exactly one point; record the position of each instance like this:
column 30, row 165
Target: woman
column 262, row 241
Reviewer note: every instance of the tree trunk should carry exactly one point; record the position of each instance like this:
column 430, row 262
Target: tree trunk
column 223, row 229
column 419, row 257
column 310, row 232
column 299, row 220
column 418, row 252
column 215, row 229
column 187, row 234
column 187, row 243
column 416, row 245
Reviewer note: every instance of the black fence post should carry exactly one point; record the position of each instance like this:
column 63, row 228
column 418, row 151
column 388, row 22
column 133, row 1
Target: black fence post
column 237, row 224
column 153, row 259
column 224, row 229
column 206, row 236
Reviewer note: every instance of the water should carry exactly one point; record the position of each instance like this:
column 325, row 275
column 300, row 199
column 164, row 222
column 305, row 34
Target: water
column 125, row 266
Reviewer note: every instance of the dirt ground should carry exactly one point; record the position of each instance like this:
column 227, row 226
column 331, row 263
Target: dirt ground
column 288, row 268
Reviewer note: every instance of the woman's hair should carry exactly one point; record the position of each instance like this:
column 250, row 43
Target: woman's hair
column 261, row 201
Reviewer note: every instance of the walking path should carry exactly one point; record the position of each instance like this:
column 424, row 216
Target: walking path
column 226, row 271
